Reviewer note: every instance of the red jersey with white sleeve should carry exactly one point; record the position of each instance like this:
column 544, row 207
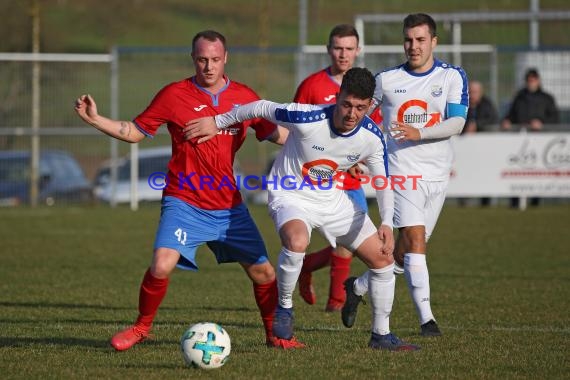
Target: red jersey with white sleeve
column 202, row 174
column 321, row 88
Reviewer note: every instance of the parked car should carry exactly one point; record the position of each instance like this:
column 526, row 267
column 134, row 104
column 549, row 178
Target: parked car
column 151, row 161
column 61, row 179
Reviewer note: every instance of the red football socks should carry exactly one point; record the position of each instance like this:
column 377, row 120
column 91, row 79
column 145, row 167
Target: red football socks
column 317, row 260
column 340, row 270
column 151, row 294
column 266, row 299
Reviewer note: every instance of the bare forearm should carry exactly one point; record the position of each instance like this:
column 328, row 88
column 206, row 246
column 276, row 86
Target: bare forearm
column 119, row 129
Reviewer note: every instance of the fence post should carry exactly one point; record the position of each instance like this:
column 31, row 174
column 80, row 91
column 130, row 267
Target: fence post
column 114, row 144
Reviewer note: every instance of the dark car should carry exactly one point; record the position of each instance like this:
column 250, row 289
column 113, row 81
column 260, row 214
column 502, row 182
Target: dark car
column 61, row 179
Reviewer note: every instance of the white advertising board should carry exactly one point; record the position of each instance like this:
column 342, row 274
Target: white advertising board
column 511, row 164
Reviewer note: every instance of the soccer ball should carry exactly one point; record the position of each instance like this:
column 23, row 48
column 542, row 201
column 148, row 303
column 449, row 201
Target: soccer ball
column 205, row 345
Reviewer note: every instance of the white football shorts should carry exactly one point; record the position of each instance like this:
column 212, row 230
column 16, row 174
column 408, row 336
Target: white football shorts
column 341, row 222
column 420, row 206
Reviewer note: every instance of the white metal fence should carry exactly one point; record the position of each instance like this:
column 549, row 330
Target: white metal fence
column 124, row 82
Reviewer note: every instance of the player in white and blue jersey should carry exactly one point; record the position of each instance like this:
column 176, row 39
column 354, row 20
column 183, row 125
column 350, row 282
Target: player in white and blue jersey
column 324, row 140
column 424, row 102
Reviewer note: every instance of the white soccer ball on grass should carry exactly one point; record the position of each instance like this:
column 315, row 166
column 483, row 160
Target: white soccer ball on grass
column 205, row 345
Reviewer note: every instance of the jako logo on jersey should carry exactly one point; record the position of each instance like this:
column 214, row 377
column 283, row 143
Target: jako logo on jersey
column 428, row 120
column 436, row 90
column 353, row 157
column 329, row 98
column 200, row 107
column 320, row 148
column 319, row 171
column 400, row 91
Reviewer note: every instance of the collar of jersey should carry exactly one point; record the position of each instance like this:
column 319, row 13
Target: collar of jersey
column 330, row 76
column 333, row 129
column 436, row 63
column 213, row 96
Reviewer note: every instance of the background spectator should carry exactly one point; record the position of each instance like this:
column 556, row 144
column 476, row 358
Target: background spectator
column 482, row 113
column 531, row 107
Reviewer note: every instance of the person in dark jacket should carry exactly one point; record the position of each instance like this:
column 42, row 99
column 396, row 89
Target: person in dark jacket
column 481, row 114
column 531, row 107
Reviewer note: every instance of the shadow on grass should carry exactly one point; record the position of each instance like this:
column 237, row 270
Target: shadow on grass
column 48, row 320
column 62, row 305
column 68, row 342
column 108, row 307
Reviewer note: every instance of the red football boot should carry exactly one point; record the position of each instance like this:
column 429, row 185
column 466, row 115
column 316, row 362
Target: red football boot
column 125, row 339
column 285, row 344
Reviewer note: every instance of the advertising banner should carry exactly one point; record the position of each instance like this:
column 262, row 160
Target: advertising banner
column 511, row 164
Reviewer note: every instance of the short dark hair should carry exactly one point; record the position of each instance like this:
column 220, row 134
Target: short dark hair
column 210, row 35
column 343, row 30
column 359, row 82
column 417, row 19
column 532, row 72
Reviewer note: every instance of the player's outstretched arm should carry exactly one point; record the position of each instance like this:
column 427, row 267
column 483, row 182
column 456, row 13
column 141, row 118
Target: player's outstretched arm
column 206, row 128
column 86, row 108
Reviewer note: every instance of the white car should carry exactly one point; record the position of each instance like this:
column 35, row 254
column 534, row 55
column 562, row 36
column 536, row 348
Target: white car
column 151, row 161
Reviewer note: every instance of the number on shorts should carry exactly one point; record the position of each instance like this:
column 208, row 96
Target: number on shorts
column 181, row 235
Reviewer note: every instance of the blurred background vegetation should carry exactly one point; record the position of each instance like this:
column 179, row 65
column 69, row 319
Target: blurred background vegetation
column 94, row 26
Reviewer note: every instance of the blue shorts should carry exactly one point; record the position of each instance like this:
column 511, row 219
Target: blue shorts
column 231, row 234
column 357, row 197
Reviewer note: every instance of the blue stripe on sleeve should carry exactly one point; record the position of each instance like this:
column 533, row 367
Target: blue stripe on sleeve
column 299, row 117
column 464, row 91
column 371, row 126
column 142, row 130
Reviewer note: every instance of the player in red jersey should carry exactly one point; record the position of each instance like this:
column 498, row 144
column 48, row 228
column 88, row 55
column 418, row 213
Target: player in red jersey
column 322, row 87
column 201, row 197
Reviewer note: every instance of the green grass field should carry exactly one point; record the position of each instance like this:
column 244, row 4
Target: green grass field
column 70, row 278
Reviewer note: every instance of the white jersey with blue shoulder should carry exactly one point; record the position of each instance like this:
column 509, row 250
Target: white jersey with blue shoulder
column 315, row 151
column 422, row 101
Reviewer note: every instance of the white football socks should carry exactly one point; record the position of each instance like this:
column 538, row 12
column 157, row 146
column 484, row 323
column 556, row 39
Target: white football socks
column 417, row 277
column 289, row 266
column 381, row 286
column 398, row 269
column 361, row 284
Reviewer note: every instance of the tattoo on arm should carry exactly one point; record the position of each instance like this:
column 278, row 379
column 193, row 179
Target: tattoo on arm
column 125, row 129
